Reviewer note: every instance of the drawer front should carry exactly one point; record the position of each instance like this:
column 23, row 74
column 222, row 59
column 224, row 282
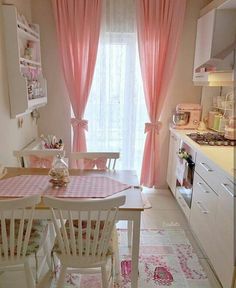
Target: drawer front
column 212, row 217
column 214, row 176
column 224, row 237
column 226, row 188
column 207, row 171
column 204, row 196
column 202, row 218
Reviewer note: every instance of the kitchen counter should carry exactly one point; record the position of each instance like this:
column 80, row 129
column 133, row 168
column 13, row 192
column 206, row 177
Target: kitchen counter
column 211, row 210
column 223, row 157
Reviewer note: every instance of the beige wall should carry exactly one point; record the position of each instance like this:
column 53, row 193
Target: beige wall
column 12, row 137
column 55, row 116
column 182, row 89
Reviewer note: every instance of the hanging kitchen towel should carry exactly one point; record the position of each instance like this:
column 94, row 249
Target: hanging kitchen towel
column 181, row 170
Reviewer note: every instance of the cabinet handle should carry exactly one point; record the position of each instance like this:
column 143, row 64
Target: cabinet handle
column 225, row 186
column 202, row 186
column 203, row 210
column 206, row 167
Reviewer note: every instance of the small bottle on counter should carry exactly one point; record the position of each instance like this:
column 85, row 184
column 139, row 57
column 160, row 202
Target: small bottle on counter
column 211, row 118
column 222, row 123
column 217, row 122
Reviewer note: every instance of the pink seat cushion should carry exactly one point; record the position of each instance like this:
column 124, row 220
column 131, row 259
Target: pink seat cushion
column 99, row 163
column 39, row 162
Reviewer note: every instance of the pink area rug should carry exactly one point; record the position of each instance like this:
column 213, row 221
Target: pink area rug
column 166, row 259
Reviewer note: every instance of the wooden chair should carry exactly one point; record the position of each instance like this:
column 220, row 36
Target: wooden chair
column 22, row 237
column 100, row 161
column 37, row 158
column 96, row 160
column 84, row 229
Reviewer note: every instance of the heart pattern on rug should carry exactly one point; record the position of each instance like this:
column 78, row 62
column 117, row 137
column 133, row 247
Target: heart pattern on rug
column 167, row 259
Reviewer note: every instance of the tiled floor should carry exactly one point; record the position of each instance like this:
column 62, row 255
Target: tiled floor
column 165, row 213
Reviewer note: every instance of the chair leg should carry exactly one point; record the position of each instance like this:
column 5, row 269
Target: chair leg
column 130, row 226
column 104, row 277
column 116, row 266
column 48, row 257
column 62, row 276
column 29, row 275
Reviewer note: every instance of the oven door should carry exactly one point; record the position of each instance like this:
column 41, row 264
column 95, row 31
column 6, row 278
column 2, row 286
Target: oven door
column 185, row 173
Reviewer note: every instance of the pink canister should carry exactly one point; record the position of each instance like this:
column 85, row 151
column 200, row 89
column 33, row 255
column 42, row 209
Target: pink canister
column 232, row 122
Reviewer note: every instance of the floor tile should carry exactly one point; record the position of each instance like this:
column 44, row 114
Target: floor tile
column 162, row 201
column 167, row 219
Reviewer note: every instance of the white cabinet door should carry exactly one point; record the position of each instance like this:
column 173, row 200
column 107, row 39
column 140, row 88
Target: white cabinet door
column 171, row 171
column 215, row 38
column 205, row 29
column 202, row 216
column 224, row 233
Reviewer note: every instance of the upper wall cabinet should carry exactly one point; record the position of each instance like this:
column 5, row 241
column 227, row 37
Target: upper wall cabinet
column 215, row 42
column 27, row 86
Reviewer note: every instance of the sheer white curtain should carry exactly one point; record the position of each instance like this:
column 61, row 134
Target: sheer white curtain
column 116, row 109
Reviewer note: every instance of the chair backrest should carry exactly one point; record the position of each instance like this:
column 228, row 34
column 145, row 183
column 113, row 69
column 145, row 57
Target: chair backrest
column 16, row 218
column 96, row 160
column 37, row 158
column 84, row 227
column 3, row 171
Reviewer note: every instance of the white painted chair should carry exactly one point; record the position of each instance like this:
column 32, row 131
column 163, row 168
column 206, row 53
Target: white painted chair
column 100, row 161
column 22, row 237
column 84, row 230
column 3, row 171
column 37, row 158
column 96, row 160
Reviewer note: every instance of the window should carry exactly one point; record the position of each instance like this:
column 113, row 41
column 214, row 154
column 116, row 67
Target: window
column 116, row 108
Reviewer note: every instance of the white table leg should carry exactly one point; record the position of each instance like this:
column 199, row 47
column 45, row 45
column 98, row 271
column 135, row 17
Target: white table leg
column 135, row 249
column 130, row 224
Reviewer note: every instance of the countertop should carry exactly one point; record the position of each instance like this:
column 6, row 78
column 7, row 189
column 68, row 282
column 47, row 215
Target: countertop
column 223, row 157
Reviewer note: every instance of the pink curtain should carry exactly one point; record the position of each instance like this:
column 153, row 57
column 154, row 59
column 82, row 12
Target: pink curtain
column 160, row 25
column 78, row 27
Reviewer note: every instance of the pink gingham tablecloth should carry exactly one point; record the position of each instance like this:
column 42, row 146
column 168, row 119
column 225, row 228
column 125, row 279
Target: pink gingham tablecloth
column 79, row 186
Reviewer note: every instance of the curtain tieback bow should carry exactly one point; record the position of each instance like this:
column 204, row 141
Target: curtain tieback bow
column 100, row 163
column 39, row 162
column 81, row 123
column 155, row 127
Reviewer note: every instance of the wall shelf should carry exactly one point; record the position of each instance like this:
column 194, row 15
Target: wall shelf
column 27, row 86
column 28, row 62
column 24, row 34
column 22, row 28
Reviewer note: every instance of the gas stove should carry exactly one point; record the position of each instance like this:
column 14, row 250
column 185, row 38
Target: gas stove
column 211, row 139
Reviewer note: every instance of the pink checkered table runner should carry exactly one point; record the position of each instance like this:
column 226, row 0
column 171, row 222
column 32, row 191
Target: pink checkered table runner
column 79, row 186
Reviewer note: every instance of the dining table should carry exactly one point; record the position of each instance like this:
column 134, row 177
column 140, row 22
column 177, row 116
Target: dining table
column 130, row 211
